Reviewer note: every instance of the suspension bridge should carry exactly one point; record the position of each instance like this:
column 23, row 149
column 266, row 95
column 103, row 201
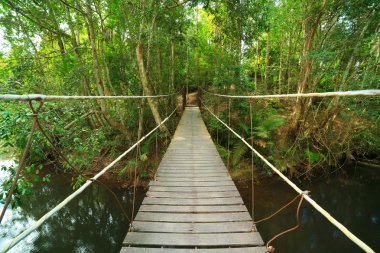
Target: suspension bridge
column 192, row 204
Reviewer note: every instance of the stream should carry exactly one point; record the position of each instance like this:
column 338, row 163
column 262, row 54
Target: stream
column 93, row 222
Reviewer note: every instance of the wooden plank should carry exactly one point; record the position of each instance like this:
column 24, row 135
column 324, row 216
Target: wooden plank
column 193, row 217
column 194, row 240
column 193, row 202
column 196, row 179
column 192, row 195
column 192, row 208
column 193, row 168
column 174, row 250
column 192, row 171
column 193, row 189
column 191, row 163
column 186, row 184
column 193, row 175
column 175, row 227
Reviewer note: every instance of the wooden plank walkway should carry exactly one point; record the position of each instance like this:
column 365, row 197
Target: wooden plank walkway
column 193, row 205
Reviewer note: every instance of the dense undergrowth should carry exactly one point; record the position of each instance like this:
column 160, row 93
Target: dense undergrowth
column 87, row 147
column 328, row 138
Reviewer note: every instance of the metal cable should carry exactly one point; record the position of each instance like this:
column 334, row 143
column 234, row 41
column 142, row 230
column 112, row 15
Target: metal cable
column 328, row 216
column 12, row 242
column 298, row 95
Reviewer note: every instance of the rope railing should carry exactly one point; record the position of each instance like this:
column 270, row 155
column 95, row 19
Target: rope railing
column 299, row 95
column 328, row 216
column 41, row 97
column 14, row 241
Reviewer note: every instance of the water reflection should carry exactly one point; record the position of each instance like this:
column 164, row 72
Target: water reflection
column 354, row 203
column 93, row 222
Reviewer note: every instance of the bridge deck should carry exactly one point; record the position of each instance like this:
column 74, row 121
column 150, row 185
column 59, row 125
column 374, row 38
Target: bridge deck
column 193, row 205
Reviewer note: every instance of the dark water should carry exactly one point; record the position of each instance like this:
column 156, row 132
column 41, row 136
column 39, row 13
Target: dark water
column 93, row 222
column 353, row 202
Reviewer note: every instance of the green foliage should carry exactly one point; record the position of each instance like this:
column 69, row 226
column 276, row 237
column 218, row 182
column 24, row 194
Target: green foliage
column 313, row 157
column 23, row 186
column 225, row 46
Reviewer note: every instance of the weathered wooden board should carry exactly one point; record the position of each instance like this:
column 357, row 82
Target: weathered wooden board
column 193, row 171
column 187, row 184
column 187, row 167
column 193, row 189
column 171, row 250
column 175, row 227
column 192, row 174
column 197, row 179
column 192, row 203
column 194, row 217
column 193, row 195
column 194, row 240
column 193, row 209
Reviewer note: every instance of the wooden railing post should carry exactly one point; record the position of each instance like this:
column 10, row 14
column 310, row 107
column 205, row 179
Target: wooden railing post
column 184, row 98
column 199, row 97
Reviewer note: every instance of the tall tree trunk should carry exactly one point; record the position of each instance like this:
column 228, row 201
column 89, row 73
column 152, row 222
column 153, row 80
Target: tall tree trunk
column 144, row 83
column 288, row 68
column 159, row 66
column 172, row 77
column 198, row 53
column 148, row 54
column 280, row 69
column 98, row 72
column 85, row 83
column 56, row 27
column 95, row 62
column 267, row 62
column 257, row 64
column 310, row 27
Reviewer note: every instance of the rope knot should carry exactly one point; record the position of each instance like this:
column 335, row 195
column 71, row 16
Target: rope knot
column 131, row 228
column 270, row 249
column 33, row 115
column 305, row 193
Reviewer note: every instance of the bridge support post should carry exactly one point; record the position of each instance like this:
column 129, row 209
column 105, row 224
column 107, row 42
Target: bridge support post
column 199, row 97
column 184, row 94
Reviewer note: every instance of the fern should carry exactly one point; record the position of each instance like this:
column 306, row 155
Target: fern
column 146, row 145
column 272, row 123
column 261, row 132
column 239, row 150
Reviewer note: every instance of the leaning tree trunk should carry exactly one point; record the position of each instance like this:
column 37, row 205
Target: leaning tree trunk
column 310, row 32
column 144, row 83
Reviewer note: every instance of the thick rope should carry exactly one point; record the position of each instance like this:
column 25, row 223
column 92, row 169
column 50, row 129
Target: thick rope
column 252, row 177
column 23, row 158
column 217, row 126
column 76, row 171
column 141, row 112
column 41, row 97
column 328, row 216
column 229, row 135
column 12, row 242
column 298, row 95
column 278, row 211
column 271, row 248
